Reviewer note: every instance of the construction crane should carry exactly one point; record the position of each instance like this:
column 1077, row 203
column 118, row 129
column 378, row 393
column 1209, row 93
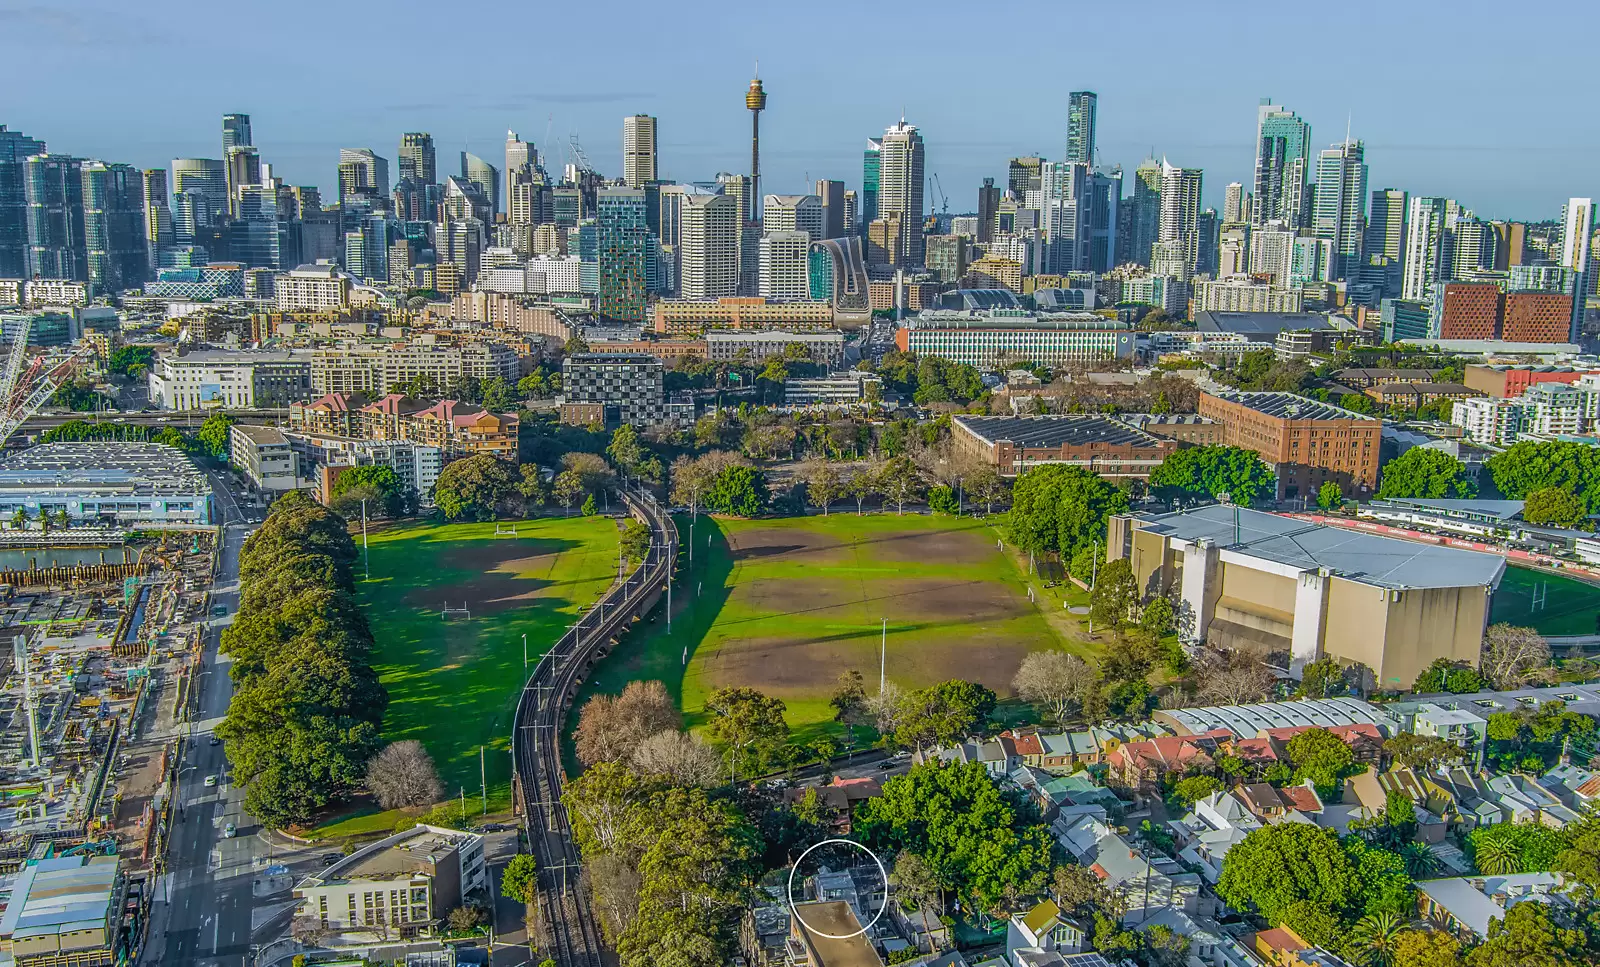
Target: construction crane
column 581, row 159
column 29, row 380
column 944, row 199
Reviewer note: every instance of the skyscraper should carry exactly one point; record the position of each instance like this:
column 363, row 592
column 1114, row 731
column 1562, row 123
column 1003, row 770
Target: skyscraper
column 638, row 150
column 988, row 211
column 157, row 213
column 708, row 246
column 622, row 236
column 519, row 153
column 852, row 209
column 113, row 226
column 1428, row 252
column 417, row 159
column 257, row 232
column 785, row 264
column 871, row 177
column 1577, row 235
column 235, row 132
column 56, row 248
column 1341, row 204
column 1233, row 204
column 1180, row 210
column 1064, row 187
column 486, row 176
column 243, row 166
column 1283, row 142
column 15, row 150
column 1080, row 127
column 362, row 172
column 1145, row 217
column 1022, row 176
column 793, row 213
column 1386, row 224
column 901, row 185
column 832, row 195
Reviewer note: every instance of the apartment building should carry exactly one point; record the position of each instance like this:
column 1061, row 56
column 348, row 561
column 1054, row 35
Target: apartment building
column 402, row 886
column 687, row 317
column 324, row 456
column 1306, row 443
column 321, row 287
column 222, row 379
column 456, row 429
column 613, row 388
column 378, row 370
column 1240, row 293
column 826, row 348
column 265, row 456
column 991, row 339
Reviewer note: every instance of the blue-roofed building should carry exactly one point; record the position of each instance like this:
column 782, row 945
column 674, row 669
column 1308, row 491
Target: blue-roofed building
column 106, row 484
column 64, row 911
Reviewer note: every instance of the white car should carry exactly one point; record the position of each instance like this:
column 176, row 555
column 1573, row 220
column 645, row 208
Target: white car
column 229, row 831
column 211, row 781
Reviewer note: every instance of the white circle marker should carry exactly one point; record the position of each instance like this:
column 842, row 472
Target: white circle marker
column 881, row 872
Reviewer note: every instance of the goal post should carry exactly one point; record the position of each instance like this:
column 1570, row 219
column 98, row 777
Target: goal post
column 505, row 530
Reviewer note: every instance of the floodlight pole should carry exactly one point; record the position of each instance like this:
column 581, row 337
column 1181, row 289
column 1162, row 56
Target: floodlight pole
column 366, row 556
column 883, row 657
column 524, row 652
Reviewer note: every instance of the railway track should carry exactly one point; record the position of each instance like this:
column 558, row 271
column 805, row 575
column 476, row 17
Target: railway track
column 569, row 932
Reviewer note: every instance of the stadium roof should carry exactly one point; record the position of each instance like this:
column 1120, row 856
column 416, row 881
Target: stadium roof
column 1384, row 562
column 1056, row 431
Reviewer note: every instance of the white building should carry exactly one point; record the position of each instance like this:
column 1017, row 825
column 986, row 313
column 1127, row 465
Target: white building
column 638, row 150
column 708, row 256
column 785, row 265
column 1272, row 252
column 416, row 464
column 726, row 345
column 265, row 456
column 313, row 288
column 792, row 213
column 220, row 379
column 403, row 886
column 1241, row 294
column 106, row 484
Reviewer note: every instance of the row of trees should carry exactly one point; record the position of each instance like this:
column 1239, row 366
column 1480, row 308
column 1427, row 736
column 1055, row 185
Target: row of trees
column 484, row 487
column 210, row 440
column 1192, row 474
column 307, row 705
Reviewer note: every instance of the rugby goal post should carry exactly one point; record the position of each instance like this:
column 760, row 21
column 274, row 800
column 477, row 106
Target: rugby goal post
column 446, row 613
column 505, row 530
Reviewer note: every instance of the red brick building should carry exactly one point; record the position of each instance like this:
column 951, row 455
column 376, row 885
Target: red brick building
column 1508, row 381
column 1537, row 317
column 1472, row 310
column 1099, row 444
column 1305, row 442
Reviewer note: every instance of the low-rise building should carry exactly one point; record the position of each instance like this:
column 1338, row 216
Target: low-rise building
column 1508, row 381
column 826, row 348
column 1413, row 395
column 380, row 370
column 108, row 484
column 1305, row 442
column 265, row 456
column 65, row 912
column 682, row 317
column 223, row 379
column 318, row 287
column 1102, row 445
column 401, row 886
column 1466, row 906
column 456, row 429
column 323, row 456
column 1241, row 293
column 843, row 390
column 1188, row 429
column 996, row 339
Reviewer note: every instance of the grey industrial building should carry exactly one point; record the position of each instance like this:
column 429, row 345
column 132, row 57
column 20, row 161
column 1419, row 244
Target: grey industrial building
column 117, row 484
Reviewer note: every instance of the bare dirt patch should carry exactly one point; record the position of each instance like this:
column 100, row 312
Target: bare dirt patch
column 942, row 546
column 791, row 542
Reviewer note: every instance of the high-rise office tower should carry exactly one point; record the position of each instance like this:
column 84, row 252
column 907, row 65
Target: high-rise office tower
column 1180, row 210
column 519, row 153
column 900, row 186
column 204, row 182
column 708, row 246
column 755, row 100
column 638, row 150
column 1472, row 247
column 871, row 178
column 852, row 212
column 236, row 132
column 56, row 248
column 15, row 150
column 113, row 226
column 832, row 195
column 243, row 168
column 1022, row 176
column 1207, row 257
column 1105, row 201
column 1080, row 127
column 738, row 187
column 417, row 158
column 157, row 213
column 1233, row 204
column 1577, row 237
column 1283, row 145
column 362, row 172
column 486, row 176
column 1341, row 204
column 1145, row 216
column 785, row 264
column 988, row 211
column 793, row 213
column 1386, row 224
column 623, row 235
column 1429, row 249
column 1064, row 192
column 257, row 232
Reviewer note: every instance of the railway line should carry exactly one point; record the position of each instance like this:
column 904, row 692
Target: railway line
column 567, row 928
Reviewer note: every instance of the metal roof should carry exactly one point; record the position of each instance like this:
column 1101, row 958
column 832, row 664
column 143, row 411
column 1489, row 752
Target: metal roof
column 1291, row 406
column 1384, row 562
column 1055, row 431
column 1250, row 721
column 59, row 896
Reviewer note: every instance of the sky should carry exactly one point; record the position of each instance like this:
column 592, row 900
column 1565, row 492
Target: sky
column 1461, row 98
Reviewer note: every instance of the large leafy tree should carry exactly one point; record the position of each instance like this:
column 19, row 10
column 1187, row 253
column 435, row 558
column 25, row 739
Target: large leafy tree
column 384, row 484
column 942, row 713
column 474, row 487
column 739, row 490
column 1278, row 866
column 979, row 842
column 1322, row 757
column 1425, row 472
column 1523, row 468
column 1528, row 937
column 1061, row 508
column 745, row 719
column 1204, row 473
column 1556, row 506
column 214, row 434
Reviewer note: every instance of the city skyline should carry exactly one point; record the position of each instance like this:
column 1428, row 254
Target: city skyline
column 972, row 121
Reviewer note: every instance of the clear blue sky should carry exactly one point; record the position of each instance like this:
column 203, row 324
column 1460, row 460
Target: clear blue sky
column 1483, row 102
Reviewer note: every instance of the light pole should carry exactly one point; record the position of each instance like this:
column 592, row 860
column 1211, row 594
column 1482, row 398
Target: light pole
column 366, row 556
column 524, row 653
column 883, row 657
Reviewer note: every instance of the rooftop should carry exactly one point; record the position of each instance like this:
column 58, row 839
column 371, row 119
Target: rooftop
column 58, row 896
column 412, row 851
column 1384, row 562
column 155, row 467
column 1291, row 406
column 261, row 435
column 1477, row 506
column 1250, row 721
column 815, row 919
column 1473, row 901
column 1056, row 431
column 1260, row 323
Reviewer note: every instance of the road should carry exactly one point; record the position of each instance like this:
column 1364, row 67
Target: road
column 209, row 882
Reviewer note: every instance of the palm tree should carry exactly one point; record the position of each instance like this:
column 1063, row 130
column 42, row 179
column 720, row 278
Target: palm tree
column 1421, row 861
column 1498, row 856
column 1373, row 938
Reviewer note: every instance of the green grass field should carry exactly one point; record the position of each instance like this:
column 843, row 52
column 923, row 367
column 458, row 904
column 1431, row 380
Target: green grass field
column 1570, row 607
column 453, row 685
column 787, row 605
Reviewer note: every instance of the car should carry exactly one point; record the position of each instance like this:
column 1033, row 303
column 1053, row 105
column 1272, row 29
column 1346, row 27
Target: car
column 230, row 831
column 211, row 781
column 220, row 610
column 328, row 859
column 215, row 740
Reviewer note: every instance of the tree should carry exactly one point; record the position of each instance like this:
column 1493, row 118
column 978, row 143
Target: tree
column 942, row 713
column 1422, row 752
column 692, row 479
column 849, row 698
column 1498, row 856
column 1059, row 508
column 823, row 484
column 214, row 434
column 569, row 489
column 403, row 775
column 1056, row 681
column 1115, row 594
column 635, row 541
column 372, row 481
column 862, row 485
column 979, row 842
column 131, row 361
column 1527, row 937
column 1445, row 675
column 1323, row 678
column 473, row 488
column 680, row 758
column 1322, row 757
column 625, row 448
column 1512, row 655
column 1192, row 789
column 1523, row 468
column 1205, row 473
column 589, row 508
column 464, row 918
column 985, row 486
column 743, row 718
column 520, row 879
column 1426, row 473
column 1330, row 496
column 1165, row 947
column 917, row 887
column 1275, row 867
column 1373, row 939
column 1556, row 506
column 899, row 481
column 739, row 491
column 1426, row 948
column 610, row 729
column 942, row 500
column 1157, row 617
column 19, row 518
